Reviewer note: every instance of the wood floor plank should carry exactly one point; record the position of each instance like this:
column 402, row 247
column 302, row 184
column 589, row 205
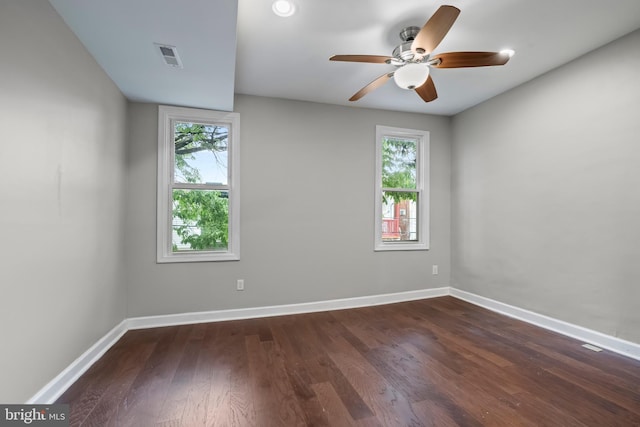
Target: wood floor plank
column 479, row 397
column 199, row 401
column 533, row 361
column 433, row 414
column 436, row 362
column 349, row 396
column 539, row 363
column 389, row 405
column 233, row 394
column 85, row 393
column 178, row 393
column 288, row 404
column 480, row 370
column 148, row 390
column 571, row 353
column 435, row 322
column 111, row 402
column 332, row 406
column 275, row 402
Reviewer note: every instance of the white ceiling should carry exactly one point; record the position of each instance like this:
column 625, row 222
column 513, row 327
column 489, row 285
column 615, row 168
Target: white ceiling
column 120, row 34
column 288, row 57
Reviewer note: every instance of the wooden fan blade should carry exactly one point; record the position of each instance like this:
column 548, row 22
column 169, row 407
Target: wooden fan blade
column 374, row 59
column 432, row 33
column 371, row 86
column 427, row 91
column 470, row 59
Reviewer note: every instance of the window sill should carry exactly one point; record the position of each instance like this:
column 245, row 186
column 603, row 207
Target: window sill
column 383, row 247
column 201, row 257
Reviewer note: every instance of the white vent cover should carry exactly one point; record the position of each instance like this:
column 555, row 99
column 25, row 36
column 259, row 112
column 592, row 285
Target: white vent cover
column 592, row 347
column 169, row 54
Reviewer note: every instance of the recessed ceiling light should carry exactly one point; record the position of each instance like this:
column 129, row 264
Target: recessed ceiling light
column 508, row 52
column 283, row 8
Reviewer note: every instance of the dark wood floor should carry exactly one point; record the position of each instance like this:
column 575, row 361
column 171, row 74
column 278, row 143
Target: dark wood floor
column 437, row 362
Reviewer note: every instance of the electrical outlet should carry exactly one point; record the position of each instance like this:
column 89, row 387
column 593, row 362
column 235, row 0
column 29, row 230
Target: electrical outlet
column 240, row 285
column 434, row 269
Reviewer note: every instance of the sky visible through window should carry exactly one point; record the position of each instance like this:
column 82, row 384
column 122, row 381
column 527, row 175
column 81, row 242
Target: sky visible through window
column 212, row 170
column 201, row 153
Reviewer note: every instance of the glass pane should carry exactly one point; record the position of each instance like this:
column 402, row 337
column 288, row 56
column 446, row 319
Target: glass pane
column 201, row 155
column 399, row 216
column 399, row 162
column 200, row 220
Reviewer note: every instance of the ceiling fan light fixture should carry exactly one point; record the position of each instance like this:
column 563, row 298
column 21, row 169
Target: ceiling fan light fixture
column 411, row 76
column 283, row 8
column 413, row 58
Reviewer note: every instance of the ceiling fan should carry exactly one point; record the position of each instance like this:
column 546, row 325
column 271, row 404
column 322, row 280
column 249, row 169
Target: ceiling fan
column 414, row 57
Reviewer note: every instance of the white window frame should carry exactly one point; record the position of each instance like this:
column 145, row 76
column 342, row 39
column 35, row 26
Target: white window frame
column 167, row 116
column 422, row 188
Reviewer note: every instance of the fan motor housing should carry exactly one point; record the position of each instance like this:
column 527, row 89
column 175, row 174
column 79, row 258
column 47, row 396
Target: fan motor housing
column 408, row 34
column 403, row 51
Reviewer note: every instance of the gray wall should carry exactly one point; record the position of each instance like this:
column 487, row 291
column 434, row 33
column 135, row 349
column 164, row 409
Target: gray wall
column 62, row 170
column 546, row 194
column 306, row 212
column 545, row 201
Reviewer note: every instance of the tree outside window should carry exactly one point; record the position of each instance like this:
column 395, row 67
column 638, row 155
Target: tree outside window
column 200, row 216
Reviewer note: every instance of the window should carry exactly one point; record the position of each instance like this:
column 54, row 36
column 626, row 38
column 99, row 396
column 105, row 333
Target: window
column 198, row 185
column 401, row 192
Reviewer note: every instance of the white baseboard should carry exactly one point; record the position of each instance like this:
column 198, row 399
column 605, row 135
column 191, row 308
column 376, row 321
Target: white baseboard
column 617, row 345
column 280, row 310
column 54, row 389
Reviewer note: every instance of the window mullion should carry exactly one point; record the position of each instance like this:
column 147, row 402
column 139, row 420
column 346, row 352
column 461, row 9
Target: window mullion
column 188, row 186
column 400, row 190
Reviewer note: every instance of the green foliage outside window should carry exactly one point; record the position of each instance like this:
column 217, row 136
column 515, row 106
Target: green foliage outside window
column 200, row 216
column 399, row 168
column 203, row 218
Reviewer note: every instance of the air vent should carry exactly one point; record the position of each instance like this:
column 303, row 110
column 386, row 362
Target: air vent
column 169, row 54
column 592, row 347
